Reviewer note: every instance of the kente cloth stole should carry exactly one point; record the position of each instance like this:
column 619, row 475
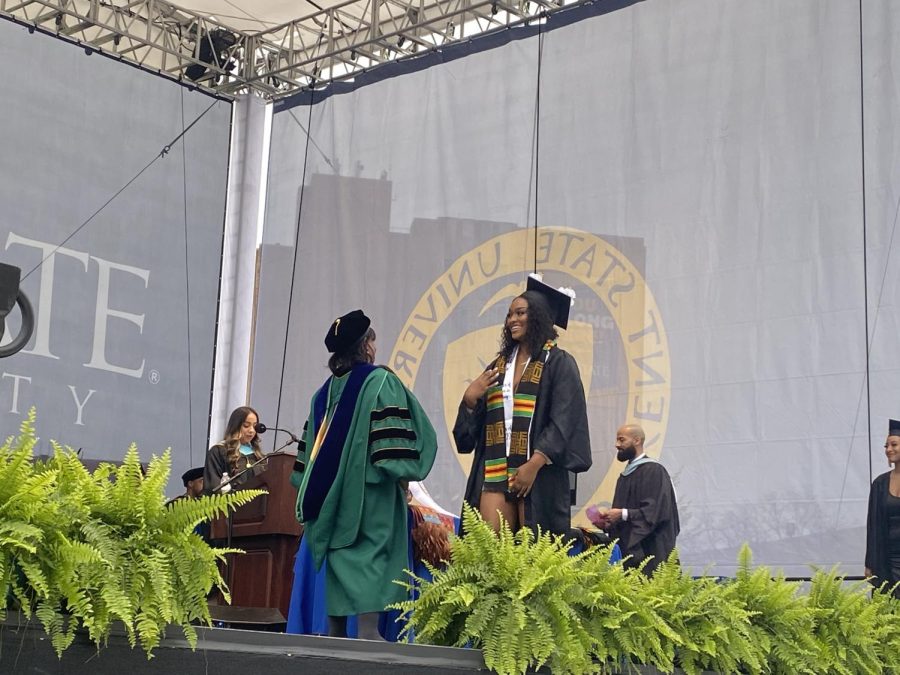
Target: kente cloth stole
column 498, row 467
column 325, row 456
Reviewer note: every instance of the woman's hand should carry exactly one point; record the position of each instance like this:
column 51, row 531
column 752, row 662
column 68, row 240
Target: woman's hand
column 479, row 386
column 869, row 572
column 521, row 482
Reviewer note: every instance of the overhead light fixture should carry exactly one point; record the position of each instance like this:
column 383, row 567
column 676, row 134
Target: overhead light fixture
column 214, row 46
column 10, row 295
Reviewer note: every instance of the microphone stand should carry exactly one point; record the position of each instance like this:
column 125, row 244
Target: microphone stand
column 230, row 518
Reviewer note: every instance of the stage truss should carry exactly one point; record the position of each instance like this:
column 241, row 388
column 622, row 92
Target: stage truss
column 335, row 43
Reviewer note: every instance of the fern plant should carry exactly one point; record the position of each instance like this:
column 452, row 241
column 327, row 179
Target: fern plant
column 526, row 603
column 519, row 598
column 843, row 617
column 85, row 550
column 781, row 622
column 886, row 629
column 626, row 628
column 712, row 624
column 26, row 515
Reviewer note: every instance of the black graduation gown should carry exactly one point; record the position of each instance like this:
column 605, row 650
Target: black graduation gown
column 652, row 523
column 217, row 464
column 878, row 533
column 559, row 429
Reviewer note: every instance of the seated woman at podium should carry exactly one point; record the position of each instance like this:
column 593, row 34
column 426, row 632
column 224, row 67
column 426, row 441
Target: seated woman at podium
column 366, row 436
column 230, row 456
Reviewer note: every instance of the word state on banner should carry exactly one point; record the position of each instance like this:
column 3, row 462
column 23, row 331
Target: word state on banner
column 53, row 338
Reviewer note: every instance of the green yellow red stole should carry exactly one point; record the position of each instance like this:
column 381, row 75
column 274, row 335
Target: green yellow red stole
column 498, row 466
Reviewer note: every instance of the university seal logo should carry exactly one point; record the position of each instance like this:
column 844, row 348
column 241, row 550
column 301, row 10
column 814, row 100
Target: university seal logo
column 615, row 333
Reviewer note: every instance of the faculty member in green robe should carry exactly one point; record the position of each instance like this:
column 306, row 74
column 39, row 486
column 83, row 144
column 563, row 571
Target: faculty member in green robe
column 365, row 438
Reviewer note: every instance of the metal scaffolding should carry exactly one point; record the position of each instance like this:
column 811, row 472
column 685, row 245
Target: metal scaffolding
column 334, row 43
column 149, row 33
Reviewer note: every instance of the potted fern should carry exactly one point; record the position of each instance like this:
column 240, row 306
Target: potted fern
column 82, row 550
column 781, row 622
column 519, row 599
column 527, row 604
column 843, row 621
column 886, row 629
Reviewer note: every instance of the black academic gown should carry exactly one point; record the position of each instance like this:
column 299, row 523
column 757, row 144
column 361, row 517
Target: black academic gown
column 217, row 464
column 652, row 524
column 559, row 429
column 878, row 532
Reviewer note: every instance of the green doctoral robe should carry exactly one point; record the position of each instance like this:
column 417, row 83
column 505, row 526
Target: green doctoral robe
column 361, row 527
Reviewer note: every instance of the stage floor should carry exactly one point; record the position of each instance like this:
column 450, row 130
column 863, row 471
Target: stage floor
column 24, row 648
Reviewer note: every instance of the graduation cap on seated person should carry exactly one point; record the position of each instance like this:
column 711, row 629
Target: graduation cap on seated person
column 346, row 330
column 191, row 474
column 893, row 428
column 559, row 299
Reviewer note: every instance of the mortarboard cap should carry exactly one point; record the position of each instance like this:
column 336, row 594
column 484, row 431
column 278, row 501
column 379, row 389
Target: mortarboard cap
column 559, row 302
column 346, row 330
column 191, row 474
column 893, row 428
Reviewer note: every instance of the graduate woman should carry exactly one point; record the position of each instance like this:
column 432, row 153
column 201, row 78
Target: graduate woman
column 525, row 418
column 366, row 436
column 231, row 455
column 883, row 526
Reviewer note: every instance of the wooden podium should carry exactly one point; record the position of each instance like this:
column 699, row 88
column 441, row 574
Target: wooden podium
column 267, row 529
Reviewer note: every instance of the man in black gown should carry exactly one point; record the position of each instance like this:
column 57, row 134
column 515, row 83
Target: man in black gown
column 644, row 513
column 193, row 489
column 193, row 484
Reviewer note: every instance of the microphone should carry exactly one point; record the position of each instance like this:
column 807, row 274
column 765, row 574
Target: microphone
column 262, row 428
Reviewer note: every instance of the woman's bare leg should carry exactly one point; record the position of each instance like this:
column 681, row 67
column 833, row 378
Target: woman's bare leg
column 493, row 506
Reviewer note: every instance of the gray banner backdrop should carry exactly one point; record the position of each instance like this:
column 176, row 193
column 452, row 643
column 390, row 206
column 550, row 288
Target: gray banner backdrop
column 699, row 184
column 118, row 304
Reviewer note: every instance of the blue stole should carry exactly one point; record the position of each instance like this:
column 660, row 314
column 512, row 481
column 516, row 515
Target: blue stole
column 325, row 467
column 636, row 463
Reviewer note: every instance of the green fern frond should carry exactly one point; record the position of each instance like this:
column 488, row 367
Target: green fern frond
column 103, row 545
column 510, row 595
column 839, row 609
column 59, row 628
